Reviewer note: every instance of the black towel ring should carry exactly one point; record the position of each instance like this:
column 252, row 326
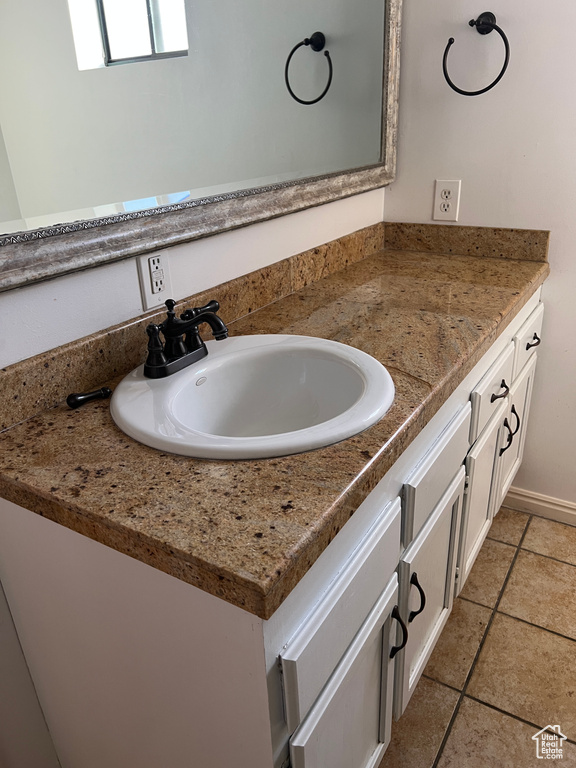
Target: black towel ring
column 317, row 41
column 484, row 24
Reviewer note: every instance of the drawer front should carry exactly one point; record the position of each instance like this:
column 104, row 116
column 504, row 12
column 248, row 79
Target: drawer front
column 528, row 338
column 349, row 725
column 427, row 483
column 311, row 656
column 490, row 391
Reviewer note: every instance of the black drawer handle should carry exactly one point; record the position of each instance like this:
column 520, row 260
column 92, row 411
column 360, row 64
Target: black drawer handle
column 515, row 413
column 404, row 628
column 510, row 438
column 416, row 583
column 535, row 341
column 506, row 389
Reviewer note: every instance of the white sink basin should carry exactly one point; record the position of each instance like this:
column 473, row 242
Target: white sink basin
column 256, row 397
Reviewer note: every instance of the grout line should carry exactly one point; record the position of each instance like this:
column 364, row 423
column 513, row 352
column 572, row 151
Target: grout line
column 537, row 626
column 475, row 602
column 509, row 714
column 441, row 682
column 552, row 520
column 501, row 541
column 478, row 652
column 548, row 557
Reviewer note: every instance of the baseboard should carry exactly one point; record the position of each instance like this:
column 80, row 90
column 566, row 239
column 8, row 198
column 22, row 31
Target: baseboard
column 539, row 504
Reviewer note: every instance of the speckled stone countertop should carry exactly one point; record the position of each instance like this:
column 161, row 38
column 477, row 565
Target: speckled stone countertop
column 247, row 531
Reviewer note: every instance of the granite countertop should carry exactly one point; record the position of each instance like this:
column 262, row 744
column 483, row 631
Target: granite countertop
column 247, row 531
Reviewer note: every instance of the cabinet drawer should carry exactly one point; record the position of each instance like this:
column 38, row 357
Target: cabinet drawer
column 528, row 339
column 350, row 723
column 425, row 486
column 488, row 394
column 311, row 656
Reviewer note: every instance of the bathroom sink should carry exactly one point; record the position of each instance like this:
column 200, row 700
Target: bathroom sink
column 256, row 397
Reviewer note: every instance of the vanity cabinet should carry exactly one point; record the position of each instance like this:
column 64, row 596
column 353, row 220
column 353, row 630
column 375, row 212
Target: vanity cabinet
column 317, row 683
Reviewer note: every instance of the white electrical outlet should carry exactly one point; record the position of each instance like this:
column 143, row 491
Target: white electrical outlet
column 446, row 200
column 155, row 284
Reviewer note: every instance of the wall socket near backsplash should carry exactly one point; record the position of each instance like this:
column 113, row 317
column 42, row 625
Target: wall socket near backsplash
column 446, row 200
column 155, row 282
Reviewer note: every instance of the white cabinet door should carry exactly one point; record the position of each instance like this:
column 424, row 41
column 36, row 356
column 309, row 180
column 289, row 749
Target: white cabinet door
column 478, row 512
column 426, row 573
column 313, row 653
column 349, row 724
column 511, row 447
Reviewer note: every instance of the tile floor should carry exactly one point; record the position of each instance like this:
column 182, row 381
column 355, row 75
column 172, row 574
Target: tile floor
column 505, row 665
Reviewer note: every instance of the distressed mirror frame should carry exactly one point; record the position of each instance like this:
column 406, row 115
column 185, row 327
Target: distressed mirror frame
column 42, row 254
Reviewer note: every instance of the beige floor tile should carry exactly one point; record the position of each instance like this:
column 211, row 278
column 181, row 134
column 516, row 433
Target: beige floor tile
column 552, row 539
column 508, row 526
column 488, row 573
column 452, row 658
column 543, row 592
column 482, row 737
column 417, row 736
column 528, row 672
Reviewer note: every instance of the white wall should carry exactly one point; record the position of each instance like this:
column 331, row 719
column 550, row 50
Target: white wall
column 513, row 148
column 76, row 305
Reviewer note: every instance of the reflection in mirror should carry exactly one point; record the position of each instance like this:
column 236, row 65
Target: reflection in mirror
column 106, row 142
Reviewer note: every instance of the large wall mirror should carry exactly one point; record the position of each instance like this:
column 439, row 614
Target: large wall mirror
column 103, row 160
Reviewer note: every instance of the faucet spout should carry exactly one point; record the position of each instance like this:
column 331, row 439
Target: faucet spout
column 219, row 330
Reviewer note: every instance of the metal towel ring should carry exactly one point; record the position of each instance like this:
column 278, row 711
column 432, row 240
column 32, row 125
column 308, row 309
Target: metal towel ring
column 317, row 41
column 484, row 24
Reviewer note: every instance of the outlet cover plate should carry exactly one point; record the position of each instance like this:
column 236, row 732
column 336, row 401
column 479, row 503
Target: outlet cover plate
column 446, row 200
column 154, row 292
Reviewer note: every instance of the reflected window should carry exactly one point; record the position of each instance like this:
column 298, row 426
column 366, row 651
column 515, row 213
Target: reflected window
column 109, row 32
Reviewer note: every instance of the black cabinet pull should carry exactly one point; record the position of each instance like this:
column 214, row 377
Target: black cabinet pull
column 510, row 438
column 515, row 412
column 416, row 583
column 535, row 341
column 404, row 628
column 506, row 389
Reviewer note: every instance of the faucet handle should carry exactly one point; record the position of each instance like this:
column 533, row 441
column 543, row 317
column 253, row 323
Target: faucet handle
column 190, row 314
column 156, row 354
column 212, row 306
